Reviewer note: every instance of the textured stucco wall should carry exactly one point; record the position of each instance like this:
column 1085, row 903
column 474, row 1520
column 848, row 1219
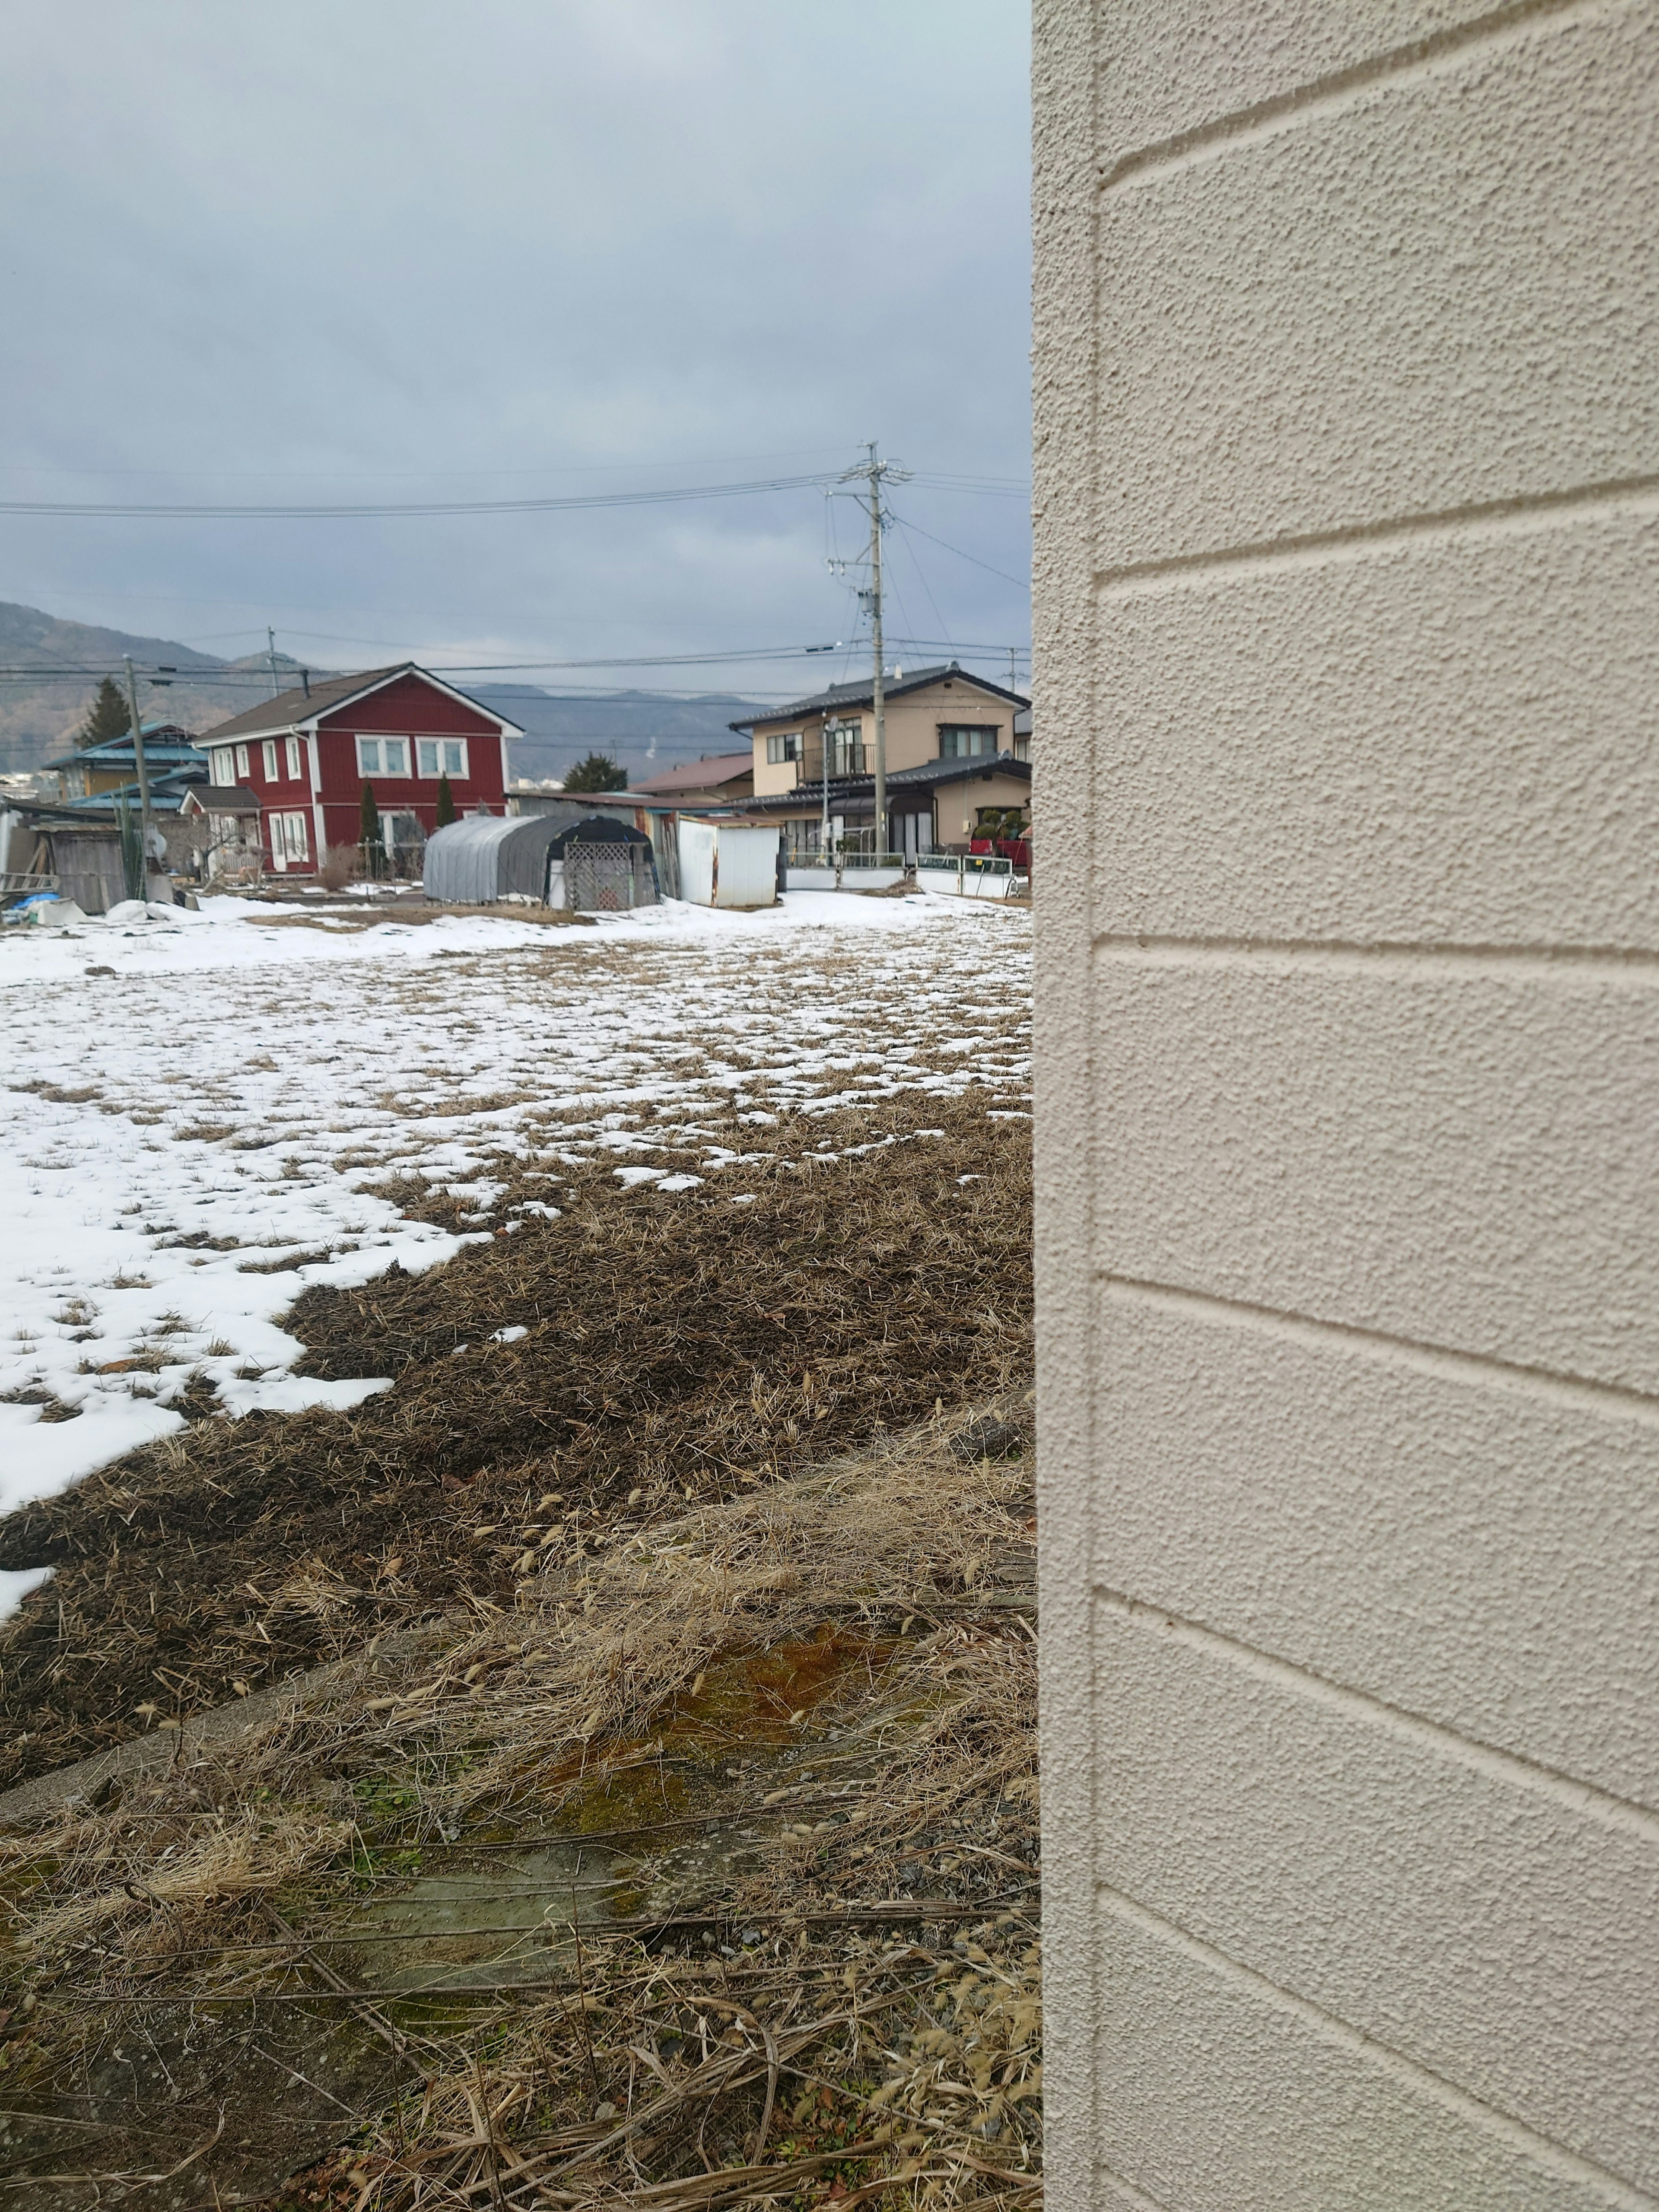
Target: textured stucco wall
column 1347, row 639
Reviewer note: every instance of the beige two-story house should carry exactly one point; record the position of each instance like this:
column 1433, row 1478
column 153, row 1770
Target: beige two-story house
column 958, row 763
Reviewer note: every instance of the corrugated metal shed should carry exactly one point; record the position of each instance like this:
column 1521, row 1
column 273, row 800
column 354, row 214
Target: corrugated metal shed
column 485, row 857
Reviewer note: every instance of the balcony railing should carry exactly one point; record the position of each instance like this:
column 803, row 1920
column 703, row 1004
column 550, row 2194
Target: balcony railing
column 844, row 760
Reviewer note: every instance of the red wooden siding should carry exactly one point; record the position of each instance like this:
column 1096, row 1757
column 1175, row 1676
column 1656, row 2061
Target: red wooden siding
column 410, row 708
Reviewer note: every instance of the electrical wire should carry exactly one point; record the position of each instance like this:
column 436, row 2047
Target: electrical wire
column 370, row 510
column 1023, row 583
column 661, row 496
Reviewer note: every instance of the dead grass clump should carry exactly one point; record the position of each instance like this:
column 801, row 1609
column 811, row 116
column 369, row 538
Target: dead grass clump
column 338, row 866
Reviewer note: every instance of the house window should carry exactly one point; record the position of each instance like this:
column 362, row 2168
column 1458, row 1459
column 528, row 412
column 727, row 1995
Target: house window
column 293, row 760
column 383, row 756
column 844, row 745
column 291, row 839
column 786, row 747
column 963, row 740
column 222, row 768
column 241, row 762
column 268, row 751
column 441, row 756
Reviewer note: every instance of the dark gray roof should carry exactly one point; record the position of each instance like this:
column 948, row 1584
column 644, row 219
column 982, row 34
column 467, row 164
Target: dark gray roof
column 862, row 694
column 225, row 798
column 927, row 777
column 274, row 718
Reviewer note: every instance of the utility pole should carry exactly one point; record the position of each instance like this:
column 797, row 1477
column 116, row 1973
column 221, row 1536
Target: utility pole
column 875, row 471
column 270, row 654
column 143, row 771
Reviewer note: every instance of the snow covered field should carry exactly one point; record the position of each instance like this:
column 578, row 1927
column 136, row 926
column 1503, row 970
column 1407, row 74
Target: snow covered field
column 194, row 1106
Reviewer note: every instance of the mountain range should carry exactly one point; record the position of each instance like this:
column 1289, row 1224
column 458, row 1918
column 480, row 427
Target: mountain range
column 40, row 714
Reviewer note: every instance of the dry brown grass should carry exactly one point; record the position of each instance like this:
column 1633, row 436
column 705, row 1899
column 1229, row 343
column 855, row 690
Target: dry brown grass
column 715, row 2039
column 676, row 1346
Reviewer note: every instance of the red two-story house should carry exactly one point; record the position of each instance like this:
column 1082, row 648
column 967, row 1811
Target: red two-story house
column 306, row 754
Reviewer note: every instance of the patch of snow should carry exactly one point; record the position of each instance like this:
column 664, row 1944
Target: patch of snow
column 15, row 1584
column 233, row 1088
column 295, row 1394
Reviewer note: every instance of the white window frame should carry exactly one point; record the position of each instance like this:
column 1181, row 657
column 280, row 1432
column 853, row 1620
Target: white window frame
column 268, row 755
column 294, row 771
column 242, row 762
column 783, row 745
column 221, row 768
column 380, row 747
column 291, row 839
column 438, row 750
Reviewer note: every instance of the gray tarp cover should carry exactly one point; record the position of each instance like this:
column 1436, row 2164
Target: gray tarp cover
column 482, row 858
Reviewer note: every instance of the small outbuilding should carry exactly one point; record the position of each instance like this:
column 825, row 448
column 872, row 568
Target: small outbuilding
column 728, row 863
column 485, row 858
column 601, row 865
column 590, row 866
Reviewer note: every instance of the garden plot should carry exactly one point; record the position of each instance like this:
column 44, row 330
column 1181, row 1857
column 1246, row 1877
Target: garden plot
column 205, row 1117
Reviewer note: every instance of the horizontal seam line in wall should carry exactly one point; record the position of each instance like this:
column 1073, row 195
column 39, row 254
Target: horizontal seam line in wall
column 1537, row 963
column 1582, row 1799
column 1137, row 2199
column 1520, row 515
column 1420, row 58
column 1515, row 2135
column 1475, row 1369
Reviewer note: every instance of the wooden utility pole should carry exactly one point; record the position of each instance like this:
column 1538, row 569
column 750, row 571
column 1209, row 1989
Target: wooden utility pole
column 143, row 771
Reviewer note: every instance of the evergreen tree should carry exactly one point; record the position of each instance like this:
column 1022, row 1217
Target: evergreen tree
column 107, row 716
column 445, row 802
column 598, row 772
column 369, row 828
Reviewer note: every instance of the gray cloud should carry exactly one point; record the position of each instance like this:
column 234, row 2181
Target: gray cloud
column 390, row 248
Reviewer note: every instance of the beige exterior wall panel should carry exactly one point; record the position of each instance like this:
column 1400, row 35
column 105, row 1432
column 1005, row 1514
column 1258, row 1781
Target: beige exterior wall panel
column 1481, row 1178
column 1219, row 2093
column 1348, row 1034
column 1454, row 738
column 1170, row 67
column 1482, row 1555
column 1507, row 1944
column 1328, row 326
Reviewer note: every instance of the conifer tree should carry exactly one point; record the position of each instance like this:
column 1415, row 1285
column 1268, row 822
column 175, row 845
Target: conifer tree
column 369, row 827
column 445, row 802
column 598, row 772
column 107, row 717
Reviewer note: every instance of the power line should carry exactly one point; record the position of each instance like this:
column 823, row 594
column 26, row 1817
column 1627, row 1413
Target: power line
column 372, row 510
column 259, row 675
column 1021, row 582
column 662, row 495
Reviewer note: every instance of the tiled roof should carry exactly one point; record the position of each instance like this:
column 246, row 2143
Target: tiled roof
column 701, row 774
column 272, row 717
column 862, row 694
column 926, row 777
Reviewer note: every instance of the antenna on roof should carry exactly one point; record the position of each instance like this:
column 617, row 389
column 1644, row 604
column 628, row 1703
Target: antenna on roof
column 270, row 654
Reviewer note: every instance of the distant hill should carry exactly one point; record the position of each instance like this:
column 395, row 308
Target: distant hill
column 39, row 717
column 645, row 731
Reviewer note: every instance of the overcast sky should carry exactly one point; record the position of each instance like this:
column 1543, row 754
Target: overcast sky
column 402, row 249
